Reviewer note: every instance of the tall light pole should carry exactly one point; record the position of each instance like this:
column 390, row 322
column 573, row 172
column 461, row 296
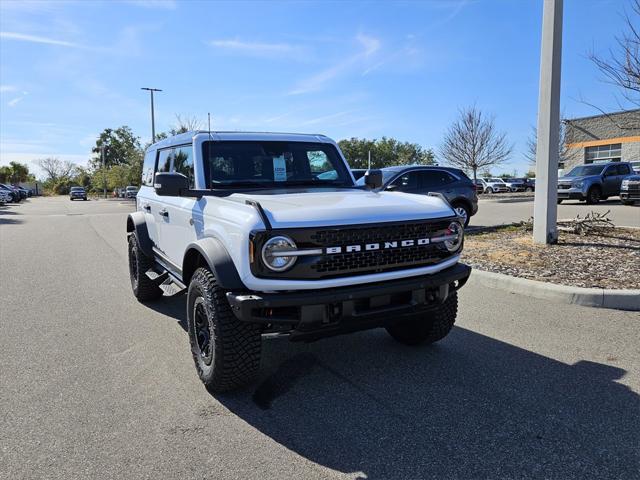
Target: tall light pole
column 104, row 172
column 545, row 208
column 153, row 120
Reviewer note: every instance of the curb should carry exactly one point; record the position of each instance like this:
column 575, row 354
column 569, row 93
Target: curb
column 588, row 297
column 509, row 200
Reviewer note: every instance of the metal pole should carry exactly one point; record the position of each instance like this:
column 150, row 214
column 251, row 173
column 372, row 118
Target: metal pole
column 545, row 209
column 153, row 120
column 104, row 173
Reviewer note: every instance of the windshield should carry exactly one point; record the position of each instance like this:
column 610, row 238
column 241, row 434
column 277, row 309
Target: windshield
column 273, row 164
column 132, row 188
column 76, row 189
column 584, row 170
column 496, row 180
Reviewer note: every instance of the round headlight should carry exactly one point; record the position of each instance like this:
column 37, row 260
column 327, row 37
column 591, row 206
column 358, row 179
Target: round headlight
column 274, row 253
column 578, row 184
column 455, row 231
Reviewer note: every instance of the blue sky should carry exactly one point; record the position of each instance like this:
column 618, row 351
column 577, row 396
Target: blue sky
column 365, row 69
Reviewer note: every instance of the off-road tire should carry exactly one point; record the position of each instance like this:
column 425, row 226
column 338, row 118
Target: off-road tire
column 462, row 205
column 143, row 287
column 593, row 195
column 233, row 356
column 429, row 326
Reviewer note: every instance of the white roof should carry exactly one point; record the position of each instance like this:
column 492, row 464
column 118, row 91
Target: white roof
column 188, row 137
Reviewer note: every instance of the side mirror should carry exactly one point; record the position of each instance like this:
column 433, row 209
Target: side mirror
column 373, row 179
column 170, row 184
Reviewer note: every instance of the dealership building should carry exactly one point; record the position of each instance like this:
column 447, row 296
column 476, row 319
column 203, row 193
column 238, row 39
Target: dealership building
column 612, row 137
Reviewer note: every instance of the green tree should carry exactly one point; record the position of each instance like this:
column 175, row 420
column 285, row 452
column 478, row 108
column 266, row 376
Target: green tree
column 19, row 172
column 385, row 152
column 120, row 146
column 5, row 174
column 15, row 172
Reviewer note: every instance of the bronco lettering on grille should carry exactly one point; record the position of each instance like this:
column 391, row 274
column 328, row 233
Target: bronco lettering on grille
column 377, row 246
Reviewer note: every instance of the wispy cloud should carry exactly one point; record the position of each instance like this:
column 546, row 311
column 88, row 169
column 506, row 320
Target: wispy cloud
column 13, row 102
column 7, row 88
column 23, row 37
column 255, row 48
column 164, row 4
column 369, row 46
column 325, row 118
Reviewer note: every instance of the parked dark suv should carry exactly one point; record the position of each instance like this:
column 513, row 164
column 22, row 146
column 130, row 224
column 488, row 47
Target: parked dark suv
column 451, row 182
column 77, row 193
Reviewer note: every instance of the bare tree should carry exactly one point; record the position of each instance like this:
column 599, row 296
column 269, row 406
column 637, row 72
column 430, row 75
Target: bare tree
column 186, row 124
column 622, row 66
column 532, row 145
column 473, row 143
column 56, row 169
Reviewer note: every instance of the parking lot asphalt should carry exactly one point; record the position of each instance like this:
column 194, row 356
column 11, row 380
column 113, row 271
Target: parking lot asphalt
column 94, row 384
column 498, row 209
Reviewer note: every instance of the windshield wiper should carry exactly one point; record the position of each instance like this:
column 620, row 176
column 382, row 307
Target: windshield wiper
column 317, row 183
column 243, row 183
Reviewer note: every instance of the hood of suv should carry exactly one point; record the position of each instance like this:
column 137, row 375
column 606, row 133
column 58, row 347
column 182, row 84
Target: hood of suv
column 326, row 207
column 577, row 179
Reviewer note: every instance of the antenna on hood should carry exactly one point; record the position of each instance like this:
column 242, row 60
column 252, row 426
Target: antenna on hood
column 209, row 123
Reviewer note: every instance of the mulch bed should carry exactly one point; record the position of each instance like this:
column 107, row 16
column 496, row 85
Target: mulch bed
column 610, row 259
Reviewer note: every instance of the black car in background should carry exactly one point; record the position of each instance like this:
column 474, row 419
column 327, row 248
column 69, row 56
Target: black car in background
column 458, row 189
column 77, row 193
column 13, row 192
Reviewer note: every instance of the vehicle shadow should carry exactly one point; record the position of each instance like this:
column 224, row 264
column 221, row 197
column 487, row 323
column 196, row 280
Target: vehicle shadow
column 469, row 407
column 6, row 216
column 472, row 407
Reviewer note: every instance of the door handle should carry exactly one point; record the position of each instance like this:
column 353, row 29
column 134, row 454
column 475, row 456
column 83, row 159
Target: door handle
column 147, row 207
column 164, row 212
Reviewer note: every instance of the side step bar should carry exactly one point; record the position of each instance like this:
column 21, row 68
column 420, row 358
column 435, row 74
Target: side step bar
column 169, row 284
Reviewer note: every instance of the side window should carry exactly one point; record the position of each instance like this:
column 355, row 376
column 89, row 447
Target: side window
column 164, row 160
column 408, row 181
column 612, row 170
column 435, row 178
column 623, row 170
column 183, row 163
column 147, row 167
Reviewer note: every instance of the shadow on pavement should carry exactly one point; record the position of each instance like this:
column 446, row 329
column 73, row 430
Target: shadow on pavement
column 470, row 407
column 6, row 216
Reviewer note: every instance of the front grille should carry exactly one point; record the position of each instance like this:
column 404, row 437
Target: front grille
column 379, row 260
column 564, row 186
column 331, row 265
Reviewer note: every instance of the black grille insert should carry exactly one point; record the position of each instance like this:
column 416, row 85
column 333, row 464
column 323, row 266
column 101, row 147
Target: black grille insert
column 331, row 265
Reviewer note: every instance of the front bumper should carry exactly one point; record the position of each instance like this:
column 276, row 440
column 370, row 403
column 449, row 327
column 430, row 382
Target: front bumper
column 628, row 195
column 321, row 313
column 571, row 194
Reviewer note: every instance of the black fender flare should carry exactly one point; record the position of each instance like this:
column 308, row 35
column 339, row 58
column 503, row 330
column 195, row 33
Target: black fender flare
column 136, row 223
column 218, row 260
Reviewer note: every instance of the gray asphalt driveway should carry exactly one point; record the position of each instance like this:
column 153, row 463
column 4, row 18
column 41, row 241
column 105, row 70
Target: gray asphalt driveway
column 96, row 385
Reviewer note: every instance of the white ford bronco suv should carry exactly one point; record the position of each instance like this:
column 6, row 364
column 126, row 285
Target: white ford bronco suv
column 268, row 234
